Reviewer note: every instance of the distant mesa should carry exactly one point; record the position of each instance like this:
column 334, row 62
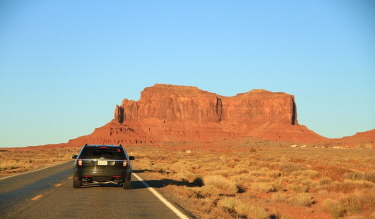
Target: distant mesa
column 186, row 113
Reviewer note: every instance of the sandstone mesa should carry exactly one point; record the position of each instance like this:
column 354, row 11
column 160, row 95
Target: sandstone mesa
column 186, row 113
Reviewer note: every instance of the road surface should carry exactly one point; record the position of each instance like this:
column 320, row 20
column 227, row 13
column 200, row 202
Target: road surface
column 48, row 193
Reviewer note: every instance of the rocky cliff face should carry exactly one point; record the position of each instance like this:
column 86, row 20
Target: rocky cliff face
column 185, row 103
column 186, row 113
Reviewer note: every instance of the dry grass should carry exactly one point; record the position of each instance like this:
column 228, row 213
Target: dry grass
column 14, row 160
column 239, row 209
column 248, row 179
column 262, row 180
column 220, row 183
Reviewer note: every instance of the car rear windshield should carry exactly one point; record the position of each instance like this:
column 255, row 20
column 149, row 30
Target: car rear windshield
column 102, row 152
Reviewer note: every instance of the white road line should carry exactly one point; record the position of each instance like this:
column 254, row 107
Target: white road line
column 162, row 199
column 34, row 170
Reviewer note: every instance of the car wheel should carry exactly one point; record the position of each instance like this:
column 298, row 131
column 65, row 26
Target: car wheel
column 77, row 183
column 127, row 184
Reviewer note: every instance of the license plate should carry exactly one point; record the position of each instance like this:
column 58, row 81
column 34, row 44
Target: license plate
column 102, row 162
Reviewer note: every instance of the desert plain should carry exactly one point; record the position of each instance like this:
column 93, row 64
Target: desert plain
column 241, row 178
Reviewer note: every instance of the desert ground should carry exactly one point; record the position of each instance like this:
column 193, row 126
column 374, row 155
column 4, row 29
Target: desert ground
column 243, row 178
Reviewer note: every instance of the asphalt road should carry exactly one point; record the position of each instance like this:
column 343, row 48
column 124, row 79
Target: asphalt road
column 49, row 193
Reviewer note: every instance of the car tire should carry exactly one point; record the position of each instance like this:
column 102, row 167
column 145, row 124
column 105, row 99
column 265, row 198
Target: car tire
column 127, row 184
column 77, row 183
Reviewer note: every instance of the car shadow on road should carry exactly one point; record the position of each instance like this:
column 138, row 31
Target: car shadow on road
column 163, row 182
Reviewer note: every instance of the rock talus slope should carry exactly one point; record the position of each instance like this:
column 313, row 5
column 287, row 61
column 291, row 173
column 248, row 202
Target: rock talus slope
column 185, row 113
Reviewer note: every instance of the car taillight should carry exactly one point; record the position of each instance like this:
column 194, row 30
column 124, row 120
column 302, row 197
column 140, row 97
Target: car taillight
column 79, row 162
column 125, row 163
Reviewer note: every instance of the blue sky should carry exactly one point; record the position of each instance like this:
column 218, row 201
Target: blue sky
column 64, row 65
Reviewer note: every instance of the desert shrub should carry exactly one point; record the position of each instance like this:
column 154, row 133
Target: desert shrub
column 256, row 212
column 364, row 199
column 266, row 187
column 182, row 191
column 347, row 204
column 274, row 174
column 194, row 166
column 323, row 192
column 223, row 172
column 251, row 211
column 372, row 215
column 295, row 174
column 287, row 167
column 297, row 187
column 302, row 199
column 357, row 217
column 261, row 187
column 221, row 183
column 261, row 179
column 370, row 176
column 238, row 209
column 304, row 174
column 340, row 187
column 368, row 198
column 311, row 174
column 15, row 165
column 351, row 203
column 229, row 204
column 335, row 208
column 284, row 179
column 325, row 181
column 240, row 171
column 280, row 197
column 264, row 171
column 336, row 173
column 275, row 186
column 190, row 176
column 356, row 175
column 241, row 178
column 256, row 173
column 207, row 190
column 310, row 184
column 279, row 216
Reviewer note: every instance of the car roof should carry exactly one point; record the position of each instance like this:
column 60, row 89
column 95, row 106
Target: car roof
column 101, row 145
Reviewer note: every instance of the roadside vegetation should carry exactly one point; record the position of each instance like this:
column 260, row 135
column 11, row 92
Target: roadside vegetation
column 16, row 160
column 244, row 179
column 264, row 179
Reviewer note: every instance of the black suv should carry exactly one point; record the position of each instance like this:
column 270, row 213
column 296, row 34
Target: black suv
column 102, row 164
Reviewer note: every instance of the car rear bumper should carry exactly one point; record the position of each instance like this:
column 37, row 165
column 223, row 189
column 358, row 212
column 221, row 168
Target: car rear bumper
column 123, row 174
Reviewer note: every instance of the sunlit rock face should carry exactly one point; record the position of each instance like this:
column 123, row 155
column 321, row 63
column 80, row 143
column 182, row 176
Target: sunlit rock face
column 186, row 113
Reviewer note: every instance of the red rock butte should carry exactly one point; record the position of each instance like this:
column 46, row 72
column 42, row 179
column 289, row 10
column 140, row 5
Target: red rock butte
column 171, row 113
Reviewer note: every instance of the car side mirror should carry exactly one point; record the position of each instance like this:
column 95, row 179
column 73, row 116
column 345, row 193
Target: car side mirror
column 131, row 157
column 74, row 156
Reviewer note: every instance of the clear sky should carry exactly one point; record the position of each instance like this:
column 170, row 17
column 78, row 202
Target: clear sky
column 64, row 65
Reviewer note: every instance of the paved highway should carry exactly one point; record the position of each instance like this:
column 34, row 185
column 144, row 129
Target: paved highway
column 48, row 193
